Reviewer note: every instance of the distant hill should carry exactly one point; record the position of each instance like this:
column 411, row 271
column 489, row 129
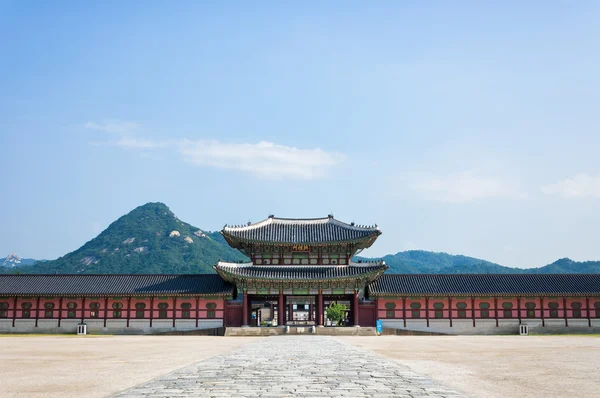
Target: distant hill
column 12, row 260
column 150, row 239
column 424, row 262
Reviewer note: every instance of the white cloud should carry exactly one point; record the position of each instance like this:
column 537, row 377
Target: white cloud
column 580, row 186
column 264, row 159
column 462, row 187
column 140, row 143
column 113, row 127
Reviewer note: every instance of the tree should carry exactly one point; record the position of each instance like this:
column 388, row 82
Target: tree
column 336, row 313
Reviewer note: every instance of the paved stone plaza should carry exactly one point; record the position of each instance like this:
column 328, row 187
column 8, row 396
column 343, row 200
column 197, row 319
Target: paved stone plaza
column 299, row 366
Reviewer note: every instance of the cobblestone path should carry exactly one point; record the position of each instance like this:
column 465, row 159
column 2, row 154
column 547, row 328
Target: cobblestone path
column 298, row 366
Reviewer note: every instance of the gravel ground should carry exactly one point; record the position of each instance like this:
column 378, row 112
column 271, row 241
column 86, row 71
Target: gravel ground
column 480, row 366
column 91, row 366
column 499, row 366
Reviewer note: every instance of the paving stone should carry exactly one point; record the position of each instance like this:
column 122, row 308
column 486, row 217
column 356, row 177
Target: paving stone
column 298, row 366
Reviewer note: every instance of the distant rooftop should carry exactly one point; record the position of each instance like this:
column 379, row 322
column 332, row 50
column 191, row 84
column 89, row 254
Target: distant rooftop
column 301, row 231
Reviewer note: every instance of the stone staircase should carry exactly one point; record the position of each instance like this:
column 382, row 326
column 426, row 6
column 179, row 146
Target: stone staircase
column 300, row 330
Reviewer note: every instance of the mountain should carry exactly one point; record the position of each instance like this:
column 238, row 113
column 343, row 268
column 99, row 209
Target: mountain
column 150, row 239
column 568, row 266
column 12, row 260
column 424, row 262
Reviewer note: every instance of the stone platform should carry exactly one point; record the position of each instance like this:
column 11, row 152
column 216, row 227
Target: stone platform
column 300, row 330
column 298, row 366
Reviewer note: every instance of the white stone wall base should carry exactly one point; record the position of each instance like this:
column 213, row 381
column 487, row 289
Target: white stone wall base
column 113, row 326
column 488, row 326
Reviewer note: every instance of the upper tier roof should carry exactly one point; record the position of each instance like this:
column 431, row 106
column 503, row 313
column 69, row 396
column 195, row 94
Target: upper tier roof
column 301, row 231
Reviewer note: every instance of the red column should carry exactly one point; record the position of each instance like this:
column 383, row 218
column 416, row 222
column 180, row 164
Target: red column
column 15, row 311
column 174, row 310
column 427, row 310
column 310, row 312
column 151, row 310
column 496, row 310
column 450, row 306
column 105, row 309
column 319, row 309
column 128, row 310
column 404, row 311
column 542, row 312
column 82, row 309
column 37, row 312
column 197, row 309
column 519, row 308
column 245, row 309
column 473, row 310
column 60, row 302
column 565, row 312
column 290, row 312
column 587, row 310
column 281, row 309
column 355, row 305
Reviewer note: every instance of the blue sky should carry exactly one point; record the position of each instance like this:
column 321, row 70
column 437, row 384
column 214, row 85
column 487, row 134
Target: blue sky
column 462, row 127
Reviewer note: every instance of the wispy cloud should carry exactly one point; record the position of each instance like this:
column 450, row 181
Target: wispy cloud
column 462, row 187
column 580, row 186
column 113, row 127
column 264, row 159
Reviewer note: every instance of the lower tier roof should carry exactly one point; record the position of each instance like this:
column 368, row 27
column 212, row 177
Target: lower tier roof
column 231, row 271
column 486, row 285
column 117, row 285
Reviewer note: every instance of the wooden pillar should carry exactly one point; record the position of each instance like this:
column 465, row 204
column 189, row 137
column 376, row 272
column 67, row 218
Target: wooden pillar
column 60, row 307
column 105, row 310
column 174, row 310
column 310, row 312
column 450, row 306
column 496, row 310
column 542, row 313
column 427, row 310
column 320, row 311
column 403, row 310
column 290, row 312
column 15, row 310
column 565, row 312
column 519, row 309
column 37, row 312
column 587, row 311
column 356, row 321
column 128, row 310
column 151, row 310
column 197, row 309
column 83, row 309
column 281, row 309
column 245, row 308
column 473, row 310
column 376, row 312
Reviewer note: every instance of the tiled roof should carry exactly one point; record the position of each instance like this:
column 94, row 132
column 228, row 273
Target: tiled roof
column 300, row 231
column 113, row 284
column 486, row 284
column 298, row 273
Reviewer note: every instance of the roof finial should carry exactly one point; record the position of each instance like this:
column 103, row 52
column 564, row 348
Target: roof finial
column 271, row 216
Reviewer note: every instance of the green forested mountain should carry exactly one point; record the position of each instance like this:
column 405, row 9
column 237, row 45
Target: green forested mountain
column 150, row 239
column 424, row 262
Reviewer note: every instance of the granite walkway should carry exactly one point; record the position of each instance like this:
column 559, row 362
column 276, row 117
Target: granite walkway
column 298, row 366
